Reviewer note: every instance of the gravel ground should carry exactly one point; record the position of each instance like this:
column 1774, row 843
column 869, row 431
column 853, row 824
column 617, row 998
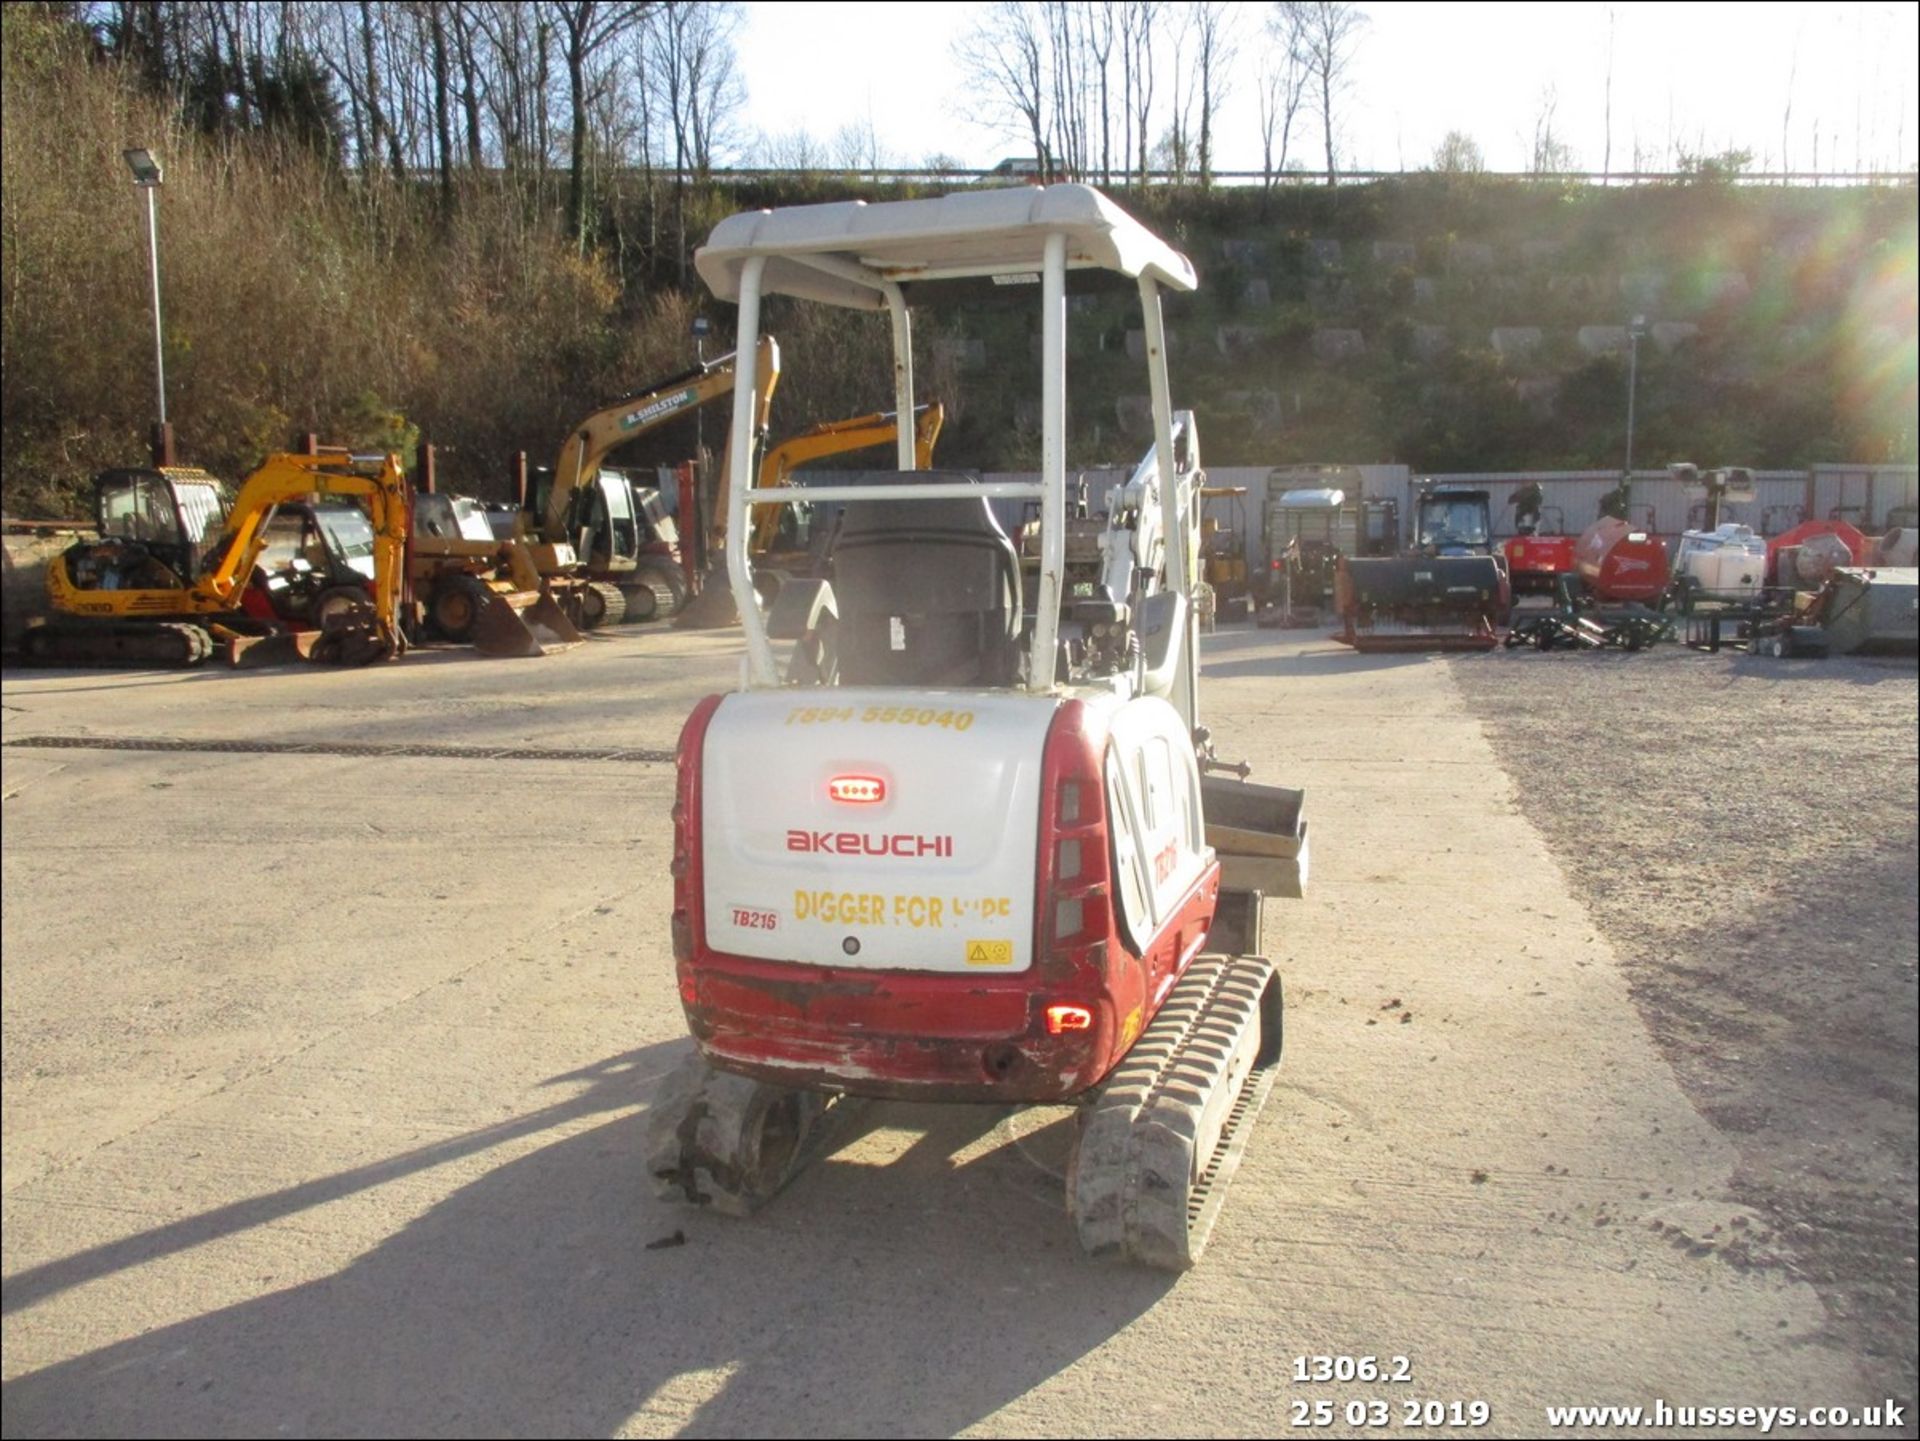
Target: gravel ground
column 1744, row 831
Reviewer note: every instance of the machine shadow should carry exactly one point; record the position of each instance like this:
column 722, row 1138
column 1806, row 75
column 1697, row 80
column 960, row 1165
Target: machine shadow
column 884, row 1293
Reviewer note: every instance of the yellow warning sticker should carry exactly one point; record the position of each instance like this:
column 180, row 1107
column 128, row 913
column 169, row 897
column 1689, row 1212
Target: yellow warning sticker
column 989, row 953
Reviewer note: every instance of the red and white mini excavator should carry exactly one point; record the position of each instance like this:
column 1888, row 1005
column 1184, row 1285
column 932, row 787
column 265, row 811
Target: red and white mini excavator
column 959, row 840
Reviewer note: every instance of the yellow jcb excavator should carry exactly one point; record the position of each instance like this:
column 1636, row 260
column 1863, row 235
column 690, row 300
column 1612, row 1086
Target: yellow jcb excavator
column 160, row 584
column 616, row 527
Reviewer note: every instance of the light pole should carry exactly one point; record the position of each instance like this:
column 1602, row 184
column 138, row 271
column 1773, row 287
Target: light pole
column 1634, row 331
column 146, row 175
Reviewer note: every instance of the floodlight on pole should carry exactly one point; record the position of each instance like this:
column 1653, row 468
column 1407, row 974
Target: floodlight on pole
column 146, row 175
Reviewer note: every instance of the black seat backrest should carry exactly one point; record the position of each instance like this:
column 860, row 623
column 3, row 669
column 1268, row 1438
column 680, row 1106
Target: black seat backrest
column 928, row 590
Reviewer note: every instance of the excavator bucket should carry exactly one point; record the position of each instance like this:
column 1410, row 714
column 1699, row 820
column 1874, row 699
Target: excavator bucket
column 256, row 652
column 507, row 630
column 712, row 609
column 1421, row 603
column 355, row 638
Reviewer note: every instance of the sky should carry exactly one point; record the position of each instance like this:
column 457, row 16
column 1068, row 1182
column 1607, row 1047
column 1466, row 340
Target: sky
column 1687, row 78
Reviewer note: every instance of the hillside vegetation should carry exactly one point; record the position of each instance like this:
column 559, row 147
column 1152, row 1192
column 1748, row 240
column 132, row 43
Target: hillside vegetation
column 1348, row 324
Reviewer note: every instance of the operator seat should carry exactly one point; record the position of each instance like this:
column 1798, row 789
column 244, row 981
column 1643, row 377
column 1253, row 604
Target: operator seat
column 928, row 591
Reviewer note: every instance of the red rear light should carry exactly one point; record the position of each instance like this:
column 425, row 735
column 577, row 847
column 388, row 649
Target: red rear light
column 857, row 790
column 1073, row 910
column 687, row 918
column 1068, row 1018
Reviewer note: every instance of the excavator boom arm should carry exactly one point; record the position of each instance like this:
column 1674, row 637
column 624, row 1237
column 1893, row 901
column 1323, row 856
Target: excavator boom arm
column 376, row 479
column 632, row 417
column 838, row 437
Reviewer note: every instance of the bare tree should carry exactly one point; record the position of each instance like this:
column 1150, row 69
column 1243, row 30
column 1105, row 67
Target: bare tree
column 793, row 150
column 1101, row 32
column 1005, row 56
column 587, row 28
column 1141, row 22
column 1331, row 31
column 1786, row 115
column 1551, row 155
column 466, row 55
column 519, row 39
column 1283, row 83
column 856, row 145
column 1218, row 45
column 442, row 96
column 1606, row 155
column 1175, row 151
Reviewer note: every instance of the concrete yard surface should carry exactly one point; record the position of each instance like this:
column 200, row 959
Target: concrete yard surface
column 326, row 1059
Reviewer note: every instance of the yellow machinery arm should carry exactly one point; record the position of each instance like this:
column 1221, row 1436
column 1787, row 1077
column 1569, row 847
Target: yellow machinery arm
column 837, row 437
column 627, row 419
column 377, row 479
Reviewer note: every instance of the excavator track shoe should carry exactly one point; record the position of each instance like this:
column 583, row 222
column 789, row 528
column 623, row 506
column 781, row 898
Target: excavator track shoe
column 602, row 604
column 648, row 600
column 1157, row 1149
column 668, row 583
column 721, row 1140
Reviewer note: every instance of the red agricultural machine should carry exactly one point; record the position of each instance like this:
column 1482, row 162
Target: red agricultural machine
column 1536, row 557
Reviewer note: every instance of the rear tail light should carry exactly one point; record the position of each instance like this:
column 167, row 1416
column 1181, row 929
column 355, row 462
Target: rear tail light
column 857, row 790
column 1073, row 914
column 687, row 919
column 1068, row 1018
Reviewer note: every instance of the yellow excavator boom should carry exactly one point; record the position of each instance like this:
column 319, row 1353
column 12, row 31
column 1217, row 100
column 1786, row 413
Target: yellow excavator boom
column 633, row 416
column 837, row 437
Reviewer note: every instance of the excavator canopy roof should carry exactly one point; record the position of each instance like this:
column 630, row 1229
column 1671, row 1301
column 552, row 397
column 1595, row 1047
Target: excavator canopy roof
column 842, row 253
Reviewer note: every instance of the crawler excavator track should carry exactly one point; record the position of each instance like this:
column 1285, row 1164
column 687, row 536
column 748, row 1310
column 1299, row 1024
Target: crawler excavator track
column 1158, row 1147
column 648, row 600
column 110, row 643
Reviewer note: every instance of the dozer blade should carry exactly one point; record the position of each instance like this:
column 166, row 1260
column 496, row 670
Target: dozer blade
column 541, row 629
column 723, row 1141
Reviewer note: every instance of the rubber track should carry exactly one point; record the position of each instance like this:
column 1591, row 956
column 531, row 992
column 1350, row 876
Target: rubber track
column 339, row 748
column 1135, row 1187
